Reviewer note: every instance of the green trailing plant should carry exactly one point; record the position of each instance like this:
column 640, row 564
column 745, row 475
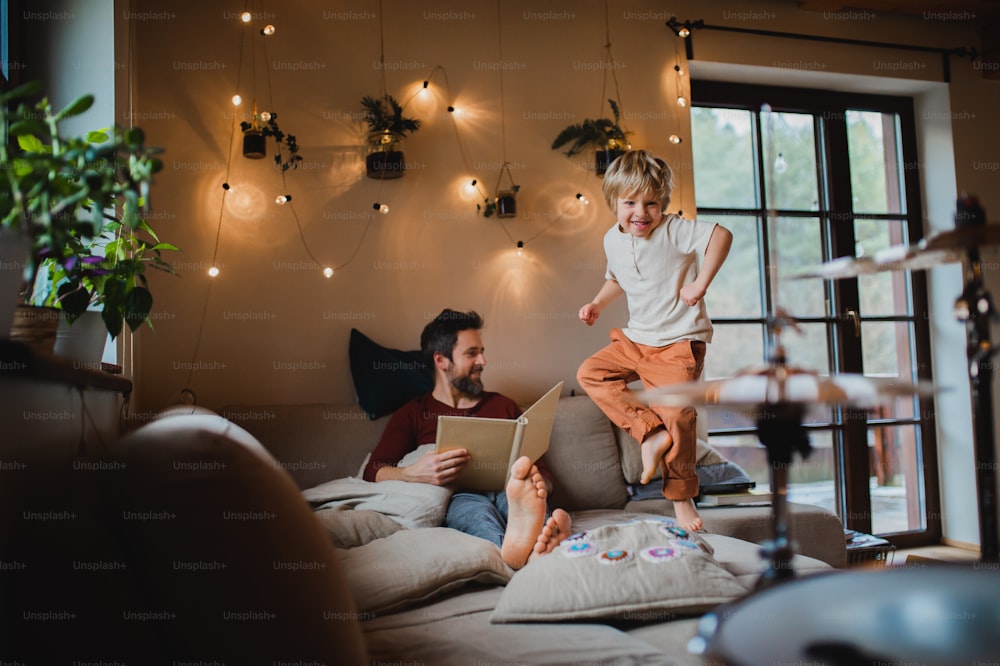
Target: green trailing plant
column 384, row 116
column 599, row 133
column 82, row 202
column 287, row 155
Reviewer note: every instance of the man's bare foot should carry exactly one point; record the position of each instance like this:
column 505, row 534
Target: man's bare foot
column 525, row 514
column 653, row 449
column 555, row 530
column 687, row 515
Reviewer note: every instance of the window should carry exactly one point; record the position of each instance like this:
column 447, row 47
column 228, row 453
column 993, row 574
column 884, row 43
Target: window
column 836, row 171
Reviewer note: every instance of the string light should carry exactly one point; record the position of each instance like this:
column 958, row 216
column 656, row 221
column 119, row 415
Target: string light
column 328, row 272
column 246, row 17
column 237, row 100
column 584, row 200
column 226, row 187
column 679, row 70
column 382, row 208
column 520, row 248
column 684, row 32
column 213, row 271
column 780, row 165
column 265, row 116
column 282, row 199
column 674, row 139
column 682, row 101
column 267, row 30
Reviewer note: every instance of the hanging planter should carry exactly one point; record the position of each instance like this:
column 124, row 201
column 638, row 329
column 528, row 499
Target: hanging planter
column 387, row 127
column 256, row 133
column 504, row 203
column 604, row 158
column 385, row 157
column 606, row 136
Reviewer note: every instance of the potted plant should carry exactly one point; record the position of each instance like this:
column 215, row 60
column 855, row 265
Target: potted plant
column 256, row 132
column 387, row 126
column 606, row 136
column 504, row 202
column 80, row 202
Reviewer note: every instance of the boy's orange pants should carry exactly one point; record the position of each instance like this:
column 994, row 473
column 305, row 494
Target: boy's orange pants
column 605, row 377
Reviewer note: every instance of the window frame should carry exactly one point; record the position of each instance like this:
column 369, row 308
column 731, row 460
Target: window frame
column 849, row 427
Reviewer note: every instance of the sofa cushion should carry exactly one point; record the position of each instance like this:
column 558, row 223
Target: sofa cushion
column 642, row 570
column 385, row 379
column 350, row 528
column 410, row 504
column 412, row 566
column 584, row 459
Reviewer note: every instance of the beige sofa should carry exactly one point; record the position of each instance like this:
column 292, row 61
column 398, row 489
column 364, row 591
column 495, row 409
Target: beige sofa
column 190, row 541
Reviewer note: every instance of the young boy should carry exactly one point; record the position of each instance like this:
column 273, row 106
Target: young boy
column 653, row 260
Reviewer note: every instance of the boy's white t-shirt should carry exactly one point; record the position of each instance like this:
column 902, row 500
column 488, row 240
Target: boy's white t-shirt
column 652, row 270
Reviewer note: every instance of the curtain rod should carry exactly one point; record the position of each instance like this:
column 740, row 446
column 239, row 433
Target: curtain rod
column 687, row 26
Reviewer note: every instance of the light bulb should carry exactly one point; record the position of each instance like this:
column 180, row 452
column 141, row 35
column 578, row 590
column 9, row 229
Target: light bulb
column 246, row 17
column 679, row 70
column 237, row 100
column 282, row 199
column 267, row 29
column 584, row 200
column 265, row 116
column 213, row 271
column 682, row 101
column 520, row 248
column 780, row 166
column 675, row 139
column 328, row 272
column 683, row 32
column 382, row 208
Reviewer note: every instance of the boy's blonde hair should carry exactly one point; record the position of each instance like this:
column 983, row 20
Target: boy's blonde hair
column 638, row 172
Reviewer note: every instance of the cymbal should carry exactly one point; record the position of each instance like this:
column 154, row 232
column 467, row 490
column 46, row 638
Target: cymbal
column 773, row 385
column 937, row 249
column 963, row 238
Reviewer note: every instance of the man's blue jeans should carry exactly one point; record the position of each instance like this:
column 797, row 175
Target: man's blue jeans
column 481, row 514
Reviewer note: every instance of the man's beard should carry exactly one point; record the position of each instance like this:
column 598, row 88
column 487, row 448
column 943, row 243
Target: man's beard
column 466, row 384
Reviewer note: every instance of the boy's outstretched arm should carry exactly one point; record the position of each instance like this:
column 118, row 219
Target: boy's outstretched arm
column 715, row 255
column 609, row 292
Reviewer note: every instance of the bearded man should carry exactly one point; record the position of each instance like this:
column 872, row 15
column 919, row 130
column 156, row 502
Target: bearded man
column 516, row 519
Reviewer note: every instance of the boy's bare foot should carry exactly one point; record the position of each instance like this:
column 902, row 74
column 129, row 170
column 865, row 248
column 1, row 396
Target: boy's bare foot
column 526, row 512
column 653, row 449
column 687, row 515
column 555, row 530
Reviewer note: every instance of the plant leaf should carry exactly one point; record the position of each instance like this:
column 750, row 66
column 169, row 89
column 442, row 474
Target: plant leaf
column 76, row 107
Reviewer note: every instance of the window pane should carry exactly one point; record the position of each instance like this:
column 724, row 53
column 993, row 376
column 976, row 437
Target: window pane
column 735, row 291
column 896, row 481
column 798, row 247
column 885, row 293
column 810, row 481
column 808, row 348
column 724, row 164
column 795, row 185
column 876, row 179
column 885, row 349
column 734, row 347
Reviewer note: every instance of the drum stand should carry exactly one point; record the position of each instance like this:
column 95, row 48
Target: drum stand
column 975, row 307
column 781, row 431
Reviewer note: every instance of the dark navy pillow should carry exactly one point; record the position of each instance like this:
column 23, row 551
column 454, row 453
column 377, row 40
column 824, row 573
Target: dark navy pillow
column 385, row 379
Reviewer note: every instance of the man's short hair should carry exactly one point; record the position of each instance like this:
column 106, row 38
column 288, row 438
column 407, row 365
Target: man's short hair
column 638, row 172
column 441, row 334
